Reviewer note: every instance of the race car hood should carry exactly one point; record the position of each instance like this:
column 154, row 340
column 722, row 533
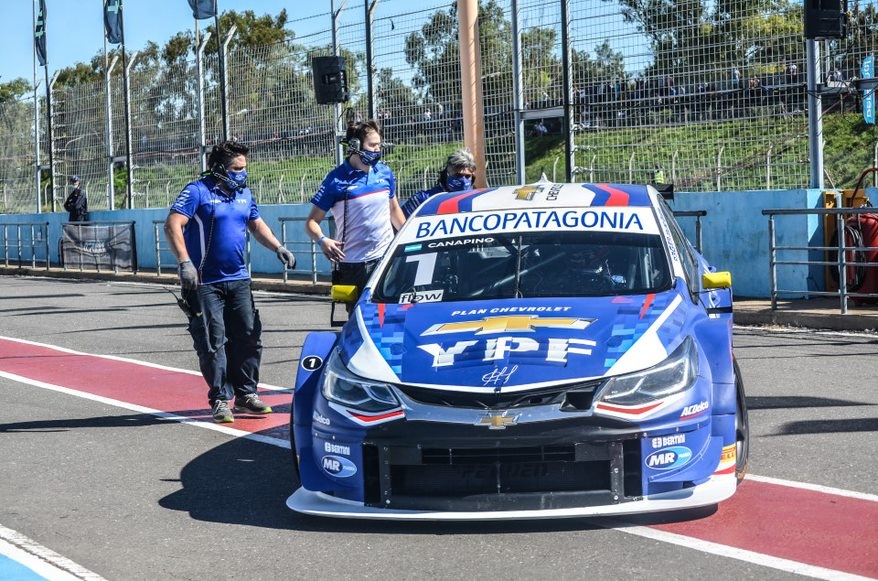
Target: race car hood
column 512, row 345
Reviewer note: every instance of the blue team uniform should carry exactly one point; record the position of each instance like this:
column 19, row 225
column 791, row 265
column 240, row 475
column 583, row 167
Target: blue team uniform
column 417, row 199
column 369, row 231
column 217, row 224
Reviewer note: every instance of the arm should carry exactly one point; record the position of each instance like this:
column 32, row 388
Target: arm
column 331, row 248
column 263, row 234
column 397, row 218
column 174, row 225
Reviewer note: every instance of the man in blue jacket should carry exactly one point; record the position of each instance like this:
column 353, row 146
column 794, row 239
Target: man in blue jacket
column 457, row 176
column 207, row 232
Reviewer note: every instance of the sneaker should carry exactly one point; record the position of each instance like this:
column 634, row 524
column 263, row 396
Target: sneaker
column 222, row 414
column 251, row 403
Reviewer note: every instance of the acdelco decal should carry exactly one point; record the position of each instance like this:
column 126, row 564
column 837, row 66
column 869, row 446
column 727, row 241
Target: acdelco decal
column 668, row 458
column 694, row 409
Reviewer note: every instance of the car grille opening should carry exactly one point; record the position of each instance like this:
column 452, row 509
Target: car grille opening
column 571, row 397
column 502, row 477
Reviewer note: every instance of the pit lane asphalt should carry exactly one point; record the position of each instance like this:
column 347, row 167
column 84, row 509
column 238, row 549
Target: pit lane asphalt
column 129, row 496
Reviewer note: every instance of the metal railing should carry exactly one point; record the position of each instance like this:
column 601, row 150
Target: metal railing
column 310, row 246
column 293, row 243
column 159, row 247
column 26, row 246
column 841, row 250
column 698, row 215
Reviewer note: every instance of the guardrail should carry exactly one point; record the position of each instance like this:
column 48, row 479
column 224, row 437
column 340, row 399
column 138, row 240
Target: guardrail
column 310, row 247
column 841, row 250
column 698, row 215
column 25, row 246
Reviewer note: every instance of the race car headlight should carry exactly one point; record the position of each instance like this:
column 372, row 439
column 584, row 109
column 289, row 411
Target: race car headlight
column 675, row 374
column 343, row 387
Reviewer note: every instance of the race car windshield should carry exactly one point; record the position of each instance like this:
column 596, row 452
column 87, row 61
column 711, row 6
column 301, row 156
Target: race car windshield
column 529, row 265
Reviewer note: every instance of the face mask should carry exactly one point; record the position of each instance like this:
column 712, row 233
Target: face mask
column 459, row 183
column 370, row 158
column 239, row 177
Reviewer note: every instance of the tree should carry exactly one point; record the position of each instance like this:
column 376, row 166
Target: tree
column 14, row 90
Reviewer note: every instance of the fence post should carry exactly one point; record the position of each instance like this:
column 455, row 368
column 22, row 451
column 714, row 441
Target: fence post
column 224, row 63
column 202, row 44
column 111, row 191
column 674, row 166
column 631, row 168
column 719, row 171
column 370, row 89
column 768, row 168
column 842, row 263
column 130, row 180
column 517, row 93
column 772, row 256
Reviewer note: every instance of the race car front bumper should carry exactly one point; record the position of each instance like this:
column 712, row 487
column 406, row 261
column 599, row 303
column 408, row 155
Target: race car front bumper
column 716, row 489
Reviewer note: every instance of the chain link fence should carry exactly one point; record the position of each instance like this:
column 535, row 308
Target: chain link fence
column 711, row 96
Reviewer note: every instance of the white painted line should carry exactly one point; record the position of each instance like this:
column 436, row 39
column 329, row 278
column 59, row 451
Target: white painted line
column 145, row 410
column 41, row 560
column 127, row 360
column 735, row 553
column 814, row 487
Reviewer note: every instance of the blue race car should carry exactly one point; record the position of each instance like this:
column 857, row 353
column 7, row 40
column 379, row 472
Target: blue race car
column 544, row 351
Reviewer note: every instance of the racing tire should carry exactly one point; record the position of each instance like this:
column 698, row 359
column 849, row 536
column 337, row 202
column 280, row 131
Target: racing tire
column 742, row 428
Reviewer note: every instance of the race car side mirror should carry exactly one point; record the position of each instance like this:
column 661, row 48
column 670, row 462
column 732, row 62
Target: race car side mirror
column 712, row 280
column 344, row 293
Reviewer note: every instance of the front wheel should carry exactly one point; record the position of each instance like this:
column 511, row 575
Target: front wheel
column 742, row 428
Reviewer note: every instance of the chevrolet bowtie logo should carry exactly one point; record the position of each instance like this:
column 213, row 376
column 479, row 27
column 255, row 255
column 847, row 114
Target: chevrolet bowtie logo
column 520, row 323
column 497, row 421
column 526, row 192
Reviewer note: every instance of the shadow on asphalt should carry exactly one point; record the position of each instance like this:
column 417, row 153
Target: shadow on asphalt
column 796, row 401
column 247, row 483
column 67, row 424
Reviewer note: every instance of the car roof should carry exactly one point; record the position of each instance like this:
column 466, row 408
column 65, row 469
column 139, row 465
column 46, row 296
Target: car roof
column 542, row 194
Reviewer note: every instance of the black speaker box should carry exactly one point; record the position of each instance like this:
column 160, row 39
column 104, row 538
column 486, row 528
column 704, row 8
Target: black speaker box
column 330, row 79
column 825, row 19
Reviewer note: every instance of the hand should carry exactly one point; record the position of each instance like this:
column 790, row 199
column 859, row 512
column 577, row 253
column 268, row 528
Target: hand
column 286, row 257
column 332, row 249
column 188, row 276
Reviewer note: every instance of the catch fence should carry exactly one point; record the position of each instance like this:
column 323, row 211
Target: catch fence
column 709, row 96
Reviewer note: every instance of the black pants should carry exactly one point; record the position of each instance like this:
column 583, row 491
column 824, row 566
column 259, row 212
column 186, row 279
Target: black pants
column 353, row 273
column 227, row 335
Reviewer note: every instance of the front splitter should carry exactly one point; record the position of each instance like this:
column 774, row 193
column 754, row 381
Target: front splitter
column 717, row 489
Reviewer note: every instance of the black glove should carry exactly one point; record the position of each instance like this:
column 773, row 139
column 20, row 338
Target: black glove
column 286, row 257
column 188, row 275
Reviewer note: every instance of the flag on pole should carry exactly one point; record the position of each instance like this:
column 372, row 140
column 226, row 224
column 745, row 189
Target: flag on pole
column 203, row 8
column 113, row 21
column 40, row 33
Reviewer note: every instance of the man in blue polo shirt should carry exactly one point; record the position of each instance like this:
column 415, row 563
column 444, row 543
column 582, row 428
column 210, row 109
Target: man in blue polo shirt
column 361, row 192
column 207, row 232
